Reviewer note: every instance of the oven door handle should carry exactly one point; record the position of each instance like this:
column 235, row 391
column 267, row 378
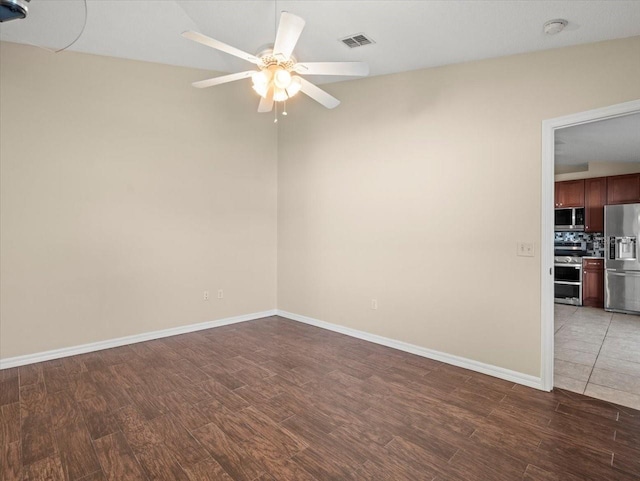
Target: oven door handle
column 571, row 266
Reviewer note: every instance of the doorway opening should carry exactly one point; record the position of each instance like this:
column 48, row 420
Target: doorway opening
column 558, row 139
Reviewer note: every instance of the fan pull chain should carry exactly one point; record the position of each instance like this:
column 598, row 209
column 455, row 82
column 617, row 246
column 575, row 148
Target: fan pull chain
column 275, row 110
column 284, row 108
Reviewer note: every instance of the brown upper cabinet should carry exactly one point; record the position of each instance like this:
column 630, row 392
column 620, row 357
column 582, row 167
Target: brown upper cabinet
column 623, row 189
column 595, row 198
column 570, row 193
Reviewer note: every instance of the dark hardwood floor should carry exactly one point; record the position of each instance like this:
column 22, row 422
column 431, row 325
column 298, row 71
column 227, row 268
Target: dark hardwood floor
column 277, row 400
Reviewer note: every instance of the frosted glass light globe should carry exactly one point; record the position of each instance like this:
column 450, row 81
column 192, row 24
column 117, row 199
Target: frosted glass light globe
column 282, row 78
column 260, row 78
column 295, row 86
column 279, row 95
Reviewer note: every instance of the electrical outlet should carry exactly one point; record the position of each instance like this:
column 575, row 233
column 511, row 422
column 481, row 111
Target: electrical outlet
column 220, row 293
column 206, row 295
column 526, row 249
column 374, row 303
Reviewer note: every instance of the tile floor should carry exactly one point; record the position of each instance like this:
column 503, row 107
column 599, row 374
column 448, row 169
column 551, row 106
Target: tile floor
column 597, row 353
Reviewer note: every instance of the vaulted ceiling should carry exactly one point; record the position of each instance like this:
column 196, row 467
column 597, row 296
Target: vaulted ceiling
column 408, row 35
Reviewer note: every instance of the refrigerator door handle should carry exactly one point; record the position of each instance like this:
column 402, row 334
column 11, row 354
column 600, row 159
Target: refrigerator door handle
column 623, row 273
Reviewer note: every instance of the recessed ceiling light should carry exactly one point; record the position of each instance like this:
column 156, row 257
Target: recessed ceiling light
column 553, row 27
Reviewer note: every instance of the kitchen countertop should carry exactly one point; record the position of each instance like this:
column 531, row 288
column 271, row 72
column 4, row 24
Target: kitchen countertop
column 593, row 257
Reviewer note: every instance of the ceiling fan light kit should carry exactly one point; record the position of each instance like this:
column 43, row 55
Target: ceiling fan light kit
column 278, row 80
column 275, row 81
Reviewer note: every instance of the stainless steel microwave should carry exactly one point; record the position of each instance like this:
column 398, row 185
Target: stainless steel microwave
column 570, row 219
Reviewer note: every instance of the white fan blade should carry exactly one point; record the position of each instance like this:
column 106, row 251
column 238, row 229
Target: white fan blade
column 266, row 103
column 223, row 79
column 223, row 47
column 319, row 95
column 288, row 34
column 352, row 69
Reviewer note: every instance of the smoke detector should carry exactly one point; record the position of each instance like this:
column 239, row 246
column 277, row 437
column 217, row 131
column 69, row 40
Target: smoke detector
column 13, row 10
column 553, row 27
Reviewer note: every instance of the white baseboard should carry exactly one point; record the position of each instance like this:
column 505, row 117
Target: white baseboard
column 499, row 372
column 121, row 341
column 495, row 371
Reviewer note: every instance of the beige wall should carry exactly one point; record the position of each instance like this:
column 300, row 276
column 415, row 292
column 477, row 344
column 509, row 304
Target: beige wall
column 416, row 189
column 601, row 169
column 125, row 194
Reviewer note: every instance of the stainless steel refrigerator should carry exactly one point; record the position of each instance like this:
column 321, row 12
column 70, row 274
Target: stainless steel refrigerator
column 622, row 258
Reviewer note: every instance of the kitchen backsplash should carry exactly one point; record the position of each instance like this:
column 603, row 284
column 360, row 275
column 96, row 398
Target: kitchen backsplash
column 595, row 241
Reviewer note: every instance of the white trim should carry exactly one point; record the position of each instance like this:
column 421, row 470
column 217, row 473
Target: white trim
column 495, row 371
column 121, row 341
column 546, row 262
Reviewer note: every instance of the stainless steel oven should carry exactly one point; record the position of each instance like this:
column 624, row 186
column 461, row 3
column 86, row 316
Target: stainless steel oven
column 567, row 284
column 567, row 281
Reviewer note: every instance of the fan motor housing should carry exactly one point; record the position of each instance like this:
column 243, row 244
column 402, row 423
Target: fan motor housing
column 13, row 10
column 268, row 59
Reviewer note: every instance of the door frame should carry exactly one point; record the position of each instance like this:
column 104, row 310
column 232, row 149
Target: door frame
column 546, row 248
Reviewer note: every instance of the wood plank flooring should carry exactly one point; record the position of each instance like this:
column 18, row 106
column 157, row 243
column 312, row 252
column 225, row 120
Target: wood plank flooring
column 273, row 399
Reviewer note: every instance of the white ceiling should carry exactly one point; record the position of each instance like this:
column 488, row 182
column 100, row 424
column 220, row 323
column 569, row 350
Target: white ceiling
column 409, row 34
column 611, row 140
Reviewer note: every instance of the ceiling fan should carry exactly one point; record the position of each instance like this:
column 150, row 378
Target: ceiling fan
column 276, row 79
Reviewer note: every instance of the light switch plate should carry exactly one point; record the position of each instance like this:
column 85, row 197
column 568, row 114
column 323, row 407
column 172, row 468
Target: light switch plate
column 526, row 249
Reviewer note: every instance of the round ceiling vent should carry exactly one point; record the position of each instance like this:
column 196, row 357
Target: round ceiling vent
column 553, row 27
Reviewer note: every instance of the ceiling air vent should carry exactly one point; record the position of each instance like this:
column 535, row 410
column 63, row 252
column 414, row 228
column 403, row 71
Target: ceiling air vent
column 357, row 40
